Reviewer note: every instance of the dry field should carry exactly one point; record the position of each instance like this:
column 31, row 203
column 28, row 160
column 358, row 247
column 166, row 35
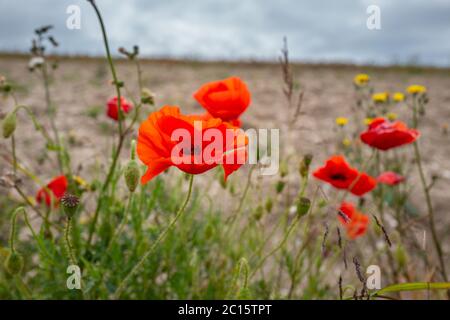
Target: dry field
column 81, row 86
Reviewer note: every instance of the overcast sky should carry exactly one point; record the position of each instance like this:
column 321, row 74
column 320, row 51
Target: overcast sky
column 334, row 30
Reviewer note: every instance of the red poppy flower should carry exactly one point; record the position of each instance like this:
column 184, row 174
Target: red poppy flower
column 198, row 145
column 390, row 178
column 112, row 110
column 226, row 99
column 383, row 134
column 340, row 175
column 57, row 186
column 354, row 221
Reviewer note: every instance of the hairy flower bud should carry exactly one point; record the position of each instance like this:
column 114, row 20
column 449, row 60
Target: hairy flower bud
column 283, row 169
column 70, row 204
column 280, row 186
column 9, row 124
column 147, row 97
column 132, row 175
column 258, row 213
column 269, row 205
column 304, row 165
column 14, row 263
column 303, row 205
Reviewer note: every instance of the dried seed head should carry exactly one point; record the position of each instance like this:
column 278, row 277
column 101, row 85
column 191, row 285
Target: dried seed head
column 14, row 263
column 9, row 124
column 70, row 204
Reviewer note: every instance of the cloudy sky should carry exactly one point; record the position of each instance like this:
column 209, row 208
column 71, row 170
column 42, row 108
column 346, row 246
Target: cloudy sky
column 412, row 31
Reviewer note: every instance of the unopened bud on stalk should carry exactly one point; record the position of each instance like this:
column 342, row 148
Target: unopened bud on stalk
column 9, row 124
column 259, row 211
column 14, row 263
column 147, row 97
column 132, row 173
column 303, row 205
column 283, row 169
column 70, row 204
column 269, row 205
column 280, row 186
column 304, row 165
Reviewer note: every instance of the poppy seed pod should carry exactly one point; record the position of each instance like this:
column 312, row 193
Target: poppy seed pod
column 70, row 204
column 9, row 124
column 303, row 205
column 14, row 263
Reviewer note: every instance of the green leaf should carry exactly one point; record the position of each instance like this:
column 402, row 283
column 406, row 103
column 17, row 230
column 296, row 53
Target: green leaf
column 413, row 286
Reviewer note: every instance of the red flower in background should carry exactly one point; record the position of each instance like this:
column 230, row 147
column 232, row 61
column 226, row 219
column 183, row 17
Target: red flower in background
column 390, row 178
column 226, row 99
column 340, row 175
column 384, row 135
column 354, row 221
column 156, row 148
column 57, row 186
column 112, row 110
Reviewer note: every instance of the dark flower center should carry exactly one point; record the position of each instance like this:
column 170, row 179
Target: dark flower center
column 338, row 176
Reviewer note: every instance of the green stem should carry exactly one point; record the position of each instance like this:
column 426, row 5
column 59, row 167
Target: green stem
column 121, row 135
column 279, row 246
column 69, row 247
column 122, row 285
column 122, row 224
column 426, row 191
column 13, row 147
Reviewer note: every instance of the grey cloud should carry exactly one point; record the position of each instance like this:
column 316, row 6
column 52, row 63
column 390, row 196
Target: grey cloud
column 248, row 29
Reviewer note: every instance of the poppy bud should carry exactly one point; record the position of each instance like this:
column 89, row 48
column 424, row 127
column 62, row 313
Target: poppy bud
column 303, row 205
column 70, row 204
column 14, row 263
column 147, row 97
column 401, row 256
column 9, row 124
column 269, row 205
column 283, row 169
column 280, row 186
column 304, row 165
column 132, row 173
column 258, row 213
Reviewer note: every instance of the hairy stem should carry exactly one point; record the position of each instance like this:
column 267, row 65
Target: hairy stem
column 122, row 285
column 69, row 247
column 431, row 221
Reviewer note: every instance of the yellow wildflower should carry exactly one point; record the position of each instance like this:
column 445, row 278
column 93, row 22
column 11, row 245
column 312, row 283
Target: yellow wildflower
column 380, row 97
column 416, row 89
column 80, row 181
column 368, row 121
column 398, row 97
column 361, row 79
column 346, row 142
column 341, row 121
column 392, row 116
